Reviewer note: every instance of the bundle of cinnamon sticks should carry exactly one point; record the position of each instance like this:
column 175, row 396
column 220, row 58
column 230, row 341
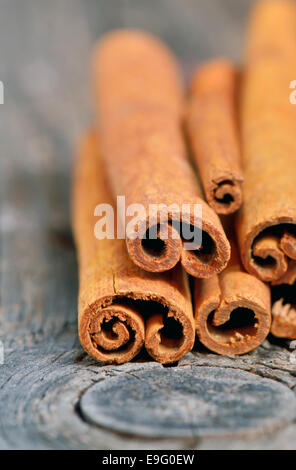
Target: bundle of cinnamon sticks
column 184, row 207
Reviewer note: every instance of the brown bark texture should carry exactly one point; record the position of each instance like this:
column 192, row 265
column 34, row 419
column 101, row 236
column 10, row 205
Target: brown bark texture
column 213, row 134
column 232, row 309
column 284, row 318
column 139, row 107
column 266, row 223
column 121, row 307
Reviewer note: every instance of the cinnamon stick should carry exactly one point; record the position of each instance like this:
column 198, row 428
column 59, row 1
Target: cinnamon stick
column 284, row 304
column 211, row 124
column 232, row 309
column 116, row 298
column 266, row 225
column 139, row 105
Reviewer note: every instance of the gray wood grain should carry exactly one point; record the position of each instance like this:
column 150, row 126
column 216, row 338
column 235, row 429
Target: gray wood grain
column 44, row 64
column 189, row 401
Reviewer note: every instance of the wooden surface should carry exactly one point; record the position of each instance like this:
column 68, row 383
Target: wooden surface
column 51, row 394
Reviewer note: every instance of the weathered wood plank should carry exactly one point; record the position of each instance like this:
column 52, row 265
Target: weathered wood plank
column 42, row 389
column 189, row 401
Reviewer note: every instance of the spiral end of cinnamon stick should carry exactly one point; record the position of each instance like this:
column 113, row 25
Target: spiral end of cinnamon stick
column 233, row 329
column 162, row 252
column 225, row 197
column 156, row 253
column 169, row 336
column 232, row 318
column 268, row 254
column 113, row 334
column 211, row 257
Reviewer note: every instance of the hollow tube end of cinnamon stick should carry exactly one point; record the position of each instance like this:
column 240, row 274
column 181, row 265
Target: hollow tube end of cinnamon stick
column 163, row 252
column 169, row 337
column 157, row 253
column 235, row 323
column 268, row 250
column 213, row 255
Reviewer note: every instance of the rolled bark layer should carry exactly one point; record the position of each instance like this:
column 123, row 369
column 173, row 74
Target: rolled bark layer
column 139, row 106
column 284, row 317
column 232, row 310
column 213, row 133
column 266, row 225
column 116, row 298
column 284, row 305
